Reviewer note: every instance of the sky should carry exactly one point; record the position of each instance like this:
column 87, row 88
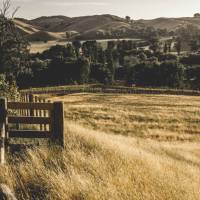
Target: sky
column 136, row 9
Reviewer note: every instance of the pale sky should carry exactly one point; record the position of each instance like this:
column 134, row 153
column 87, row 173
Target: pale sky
column 136, row 9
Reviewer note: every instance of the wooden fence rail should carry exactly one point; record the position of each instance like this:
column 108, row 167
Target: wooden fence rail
column 117, row 90
column 48, row 118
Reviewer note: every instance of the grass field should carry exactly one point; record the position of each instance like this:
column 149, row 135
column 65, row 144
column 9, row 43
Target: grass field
column 141, row 147
column 39, row 47
column 149, row 116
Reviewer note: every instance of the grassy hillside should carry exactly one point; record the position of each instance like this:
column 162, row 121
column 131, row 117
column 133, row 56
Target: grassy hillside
column 86, row 26
column 41, row 36
column 79, row 24
column 42, row 46
column 171, row 24
column 54, row 28
column 97, row 163
column 103, row 22
column 50, row 23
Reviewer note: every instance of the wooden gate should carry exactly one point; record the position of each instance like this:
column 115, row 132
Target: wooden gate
column 48, row 116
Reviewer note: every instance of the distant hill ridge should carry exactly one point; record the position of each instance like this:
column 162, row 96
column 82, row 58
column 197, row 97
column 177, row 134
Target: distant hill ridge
column 55, row 27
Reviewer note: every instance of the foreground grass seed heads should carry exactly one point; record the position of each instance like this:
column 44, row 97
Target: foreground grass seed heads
column 117, row 147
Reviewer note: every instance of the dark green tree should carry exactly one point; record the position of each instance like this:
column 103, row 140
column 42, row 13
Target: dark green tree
column 83, row 66
column 128, row 19
column 194, row 45
column 178, row 45
column 14, row 54
column 77, row 45
column 165, row 49
column 155, row 44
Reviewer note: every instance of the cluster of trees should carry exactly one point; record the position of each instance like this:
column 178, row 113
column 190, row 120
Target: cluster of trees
column 165, row 74
column 188, row 36
column 87, row 62
column 197, row 15
column 71, row 64
column 140, row 31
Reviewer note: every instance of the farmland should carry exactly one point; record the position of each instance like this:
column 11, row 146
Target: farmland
column 117, row 147
column 149, row 116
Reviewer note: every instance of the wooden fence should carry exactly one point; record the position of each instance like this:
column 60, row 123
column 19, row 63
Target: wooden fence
column 116, row 90
column 47, row 118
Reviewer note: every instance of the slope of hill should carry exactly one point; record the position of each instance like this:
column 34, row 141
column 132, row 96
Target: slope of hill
column 93, row 26
column 52, row 23
column 79, row 24
column 25, row 27
column 41, row 36
column 172, row 23
column 87, row 25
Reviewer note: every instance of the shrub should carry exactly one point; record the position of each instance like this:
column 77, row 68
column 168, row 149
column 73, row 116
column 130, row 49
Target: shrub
column 8, row 88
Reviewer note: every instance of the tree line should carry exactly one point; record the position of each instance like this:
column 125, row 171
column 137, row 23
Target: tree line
column 88, row 62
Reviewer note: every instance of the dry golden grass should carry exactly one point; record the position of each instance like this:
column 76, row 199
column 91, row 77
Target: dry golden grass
column 98, row 164
column 151, row 116
column 36, row 47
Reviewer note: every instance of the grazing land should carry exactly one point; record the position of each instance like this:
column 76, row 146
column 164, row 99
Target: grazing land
column 117, row 147
column 151, row 116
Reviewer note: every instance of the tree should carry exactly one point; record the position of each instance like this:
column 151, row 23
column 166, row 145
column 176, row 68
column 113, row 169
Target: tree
column 142, row 56
column 197, row 15
column 172, row 74
column 59, row 51
column 128, row 19
column 178, row 45
column 155, row 44
column 194, row 45
column 68, row 34
column 8, row 89
column 14, row 54
column 83, row 66
column 111, row 44
column 77, row 45
column 165, row 48
column 90, row 50
column 169, row 44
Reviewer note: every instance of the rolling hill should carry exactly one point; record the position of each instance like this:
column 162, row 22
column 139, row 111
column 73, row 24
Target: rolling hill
column 57, row 26
column 93, row 27
column 172, row 23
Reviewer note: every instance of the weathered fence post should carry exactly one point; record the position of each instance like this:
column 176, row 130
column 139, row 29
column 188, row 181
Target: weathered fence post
column 45, row 115
column 40, row 113
column 58, row 124
column 3, row 110
column 31, row 100
column 36, row 101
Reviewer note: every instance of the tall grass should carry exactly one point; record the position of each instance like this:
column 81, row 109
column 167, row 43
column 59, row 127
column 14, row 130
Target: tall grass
column 98, row 164
column 159, row 117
